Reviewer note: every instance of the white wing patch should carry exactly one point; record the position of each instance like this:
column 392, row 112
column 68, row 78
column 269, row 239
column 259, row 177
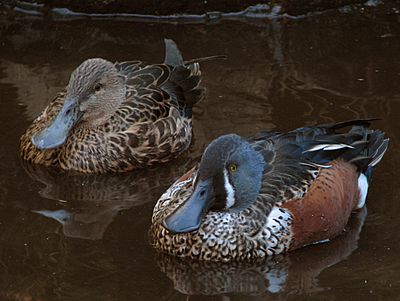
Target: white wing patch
column 230, row 192
column 327, row 147
column 363, row 188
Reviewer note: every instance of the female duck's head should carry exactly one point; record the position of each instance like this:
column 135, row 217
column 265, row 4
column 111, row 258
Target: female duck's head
column 229, row 178
column 94, row 92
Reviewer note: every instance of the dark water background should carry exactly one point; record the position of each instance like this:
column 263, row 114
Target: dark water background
column 66, row 237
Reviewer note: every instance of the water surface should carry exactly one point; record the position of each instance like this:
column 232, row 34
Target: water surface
column 76, row 237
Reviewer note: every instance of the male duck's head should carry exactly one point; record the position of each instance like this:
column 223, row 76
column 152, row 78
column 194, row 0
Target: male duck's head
column 94, row 92
column 229, row 178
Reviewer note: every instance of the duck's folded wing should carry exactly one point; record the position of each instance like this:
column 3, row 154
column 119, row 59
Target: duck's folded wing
column 294, row 160
column 155, row 88
column 158, row 141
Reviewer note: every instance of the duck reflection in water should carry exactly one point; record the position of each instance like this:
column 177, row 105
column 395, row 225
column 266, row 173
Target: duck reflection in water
column 281, row 276
column 86, row 204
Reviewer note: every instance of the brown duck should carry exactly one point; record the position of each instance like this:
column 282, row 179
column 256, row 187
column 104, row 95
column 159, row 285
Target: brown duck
column 117, row 117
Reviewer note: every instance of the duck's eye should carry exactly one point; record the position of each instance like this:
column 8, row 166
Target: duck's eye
column 232, row 167
column 97, row 87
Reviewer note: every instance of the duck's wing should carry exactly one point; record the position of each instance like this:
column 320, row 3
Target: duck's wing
column 156, row 122
column 295, row 159
column 161, row 140
column 153, row 89
column 158, row 86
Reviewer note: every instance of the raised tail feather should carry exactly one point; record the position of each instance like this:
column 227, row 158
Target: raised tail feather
column 184, row 84
column 173, row 56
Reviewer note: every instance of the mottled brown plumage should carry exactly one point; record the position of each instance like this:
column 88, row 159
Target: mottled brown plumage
column 117, row 117
column 249, row 199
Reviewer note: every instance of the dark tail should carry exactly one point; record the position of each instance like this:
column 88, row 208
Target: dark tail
column 184, row 84
column 375, row 147
column 359, row 145
column 369, row 146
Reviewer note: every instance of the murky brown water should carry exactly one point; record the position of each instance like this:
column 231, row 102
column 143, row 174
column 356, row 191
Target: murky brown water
column 85, row 237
